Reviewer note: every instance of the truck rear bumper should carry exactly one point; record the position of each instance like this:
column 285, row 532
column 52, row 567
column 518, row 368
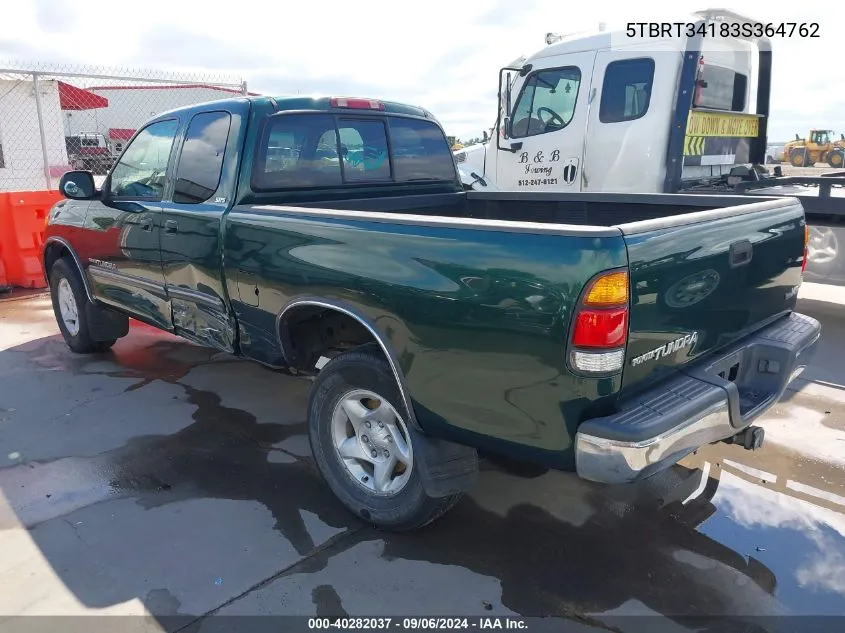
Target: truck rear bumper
column 707, row 402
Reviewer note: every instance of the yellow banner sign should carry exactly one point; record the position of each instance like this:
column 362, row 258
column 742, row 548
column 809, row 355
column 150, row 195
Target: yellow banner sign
column 713, row 124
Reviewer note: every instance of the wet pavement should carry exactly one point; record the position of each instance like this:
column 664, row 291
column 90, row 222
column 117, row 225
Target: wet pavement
column 165, row 479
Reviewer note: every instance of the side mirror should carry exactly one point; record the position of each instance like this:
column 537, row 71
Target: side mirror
column 486, row 138
column 78, row 185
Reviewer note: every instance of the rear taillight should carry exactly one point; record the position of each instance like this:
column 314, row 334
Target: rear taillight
column 806, row 248
column 600, row 325
column 357, row 104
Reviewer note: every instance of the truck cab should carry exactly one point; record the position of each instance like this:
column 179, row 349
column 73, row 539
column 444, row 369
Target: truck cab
column 622, row 111
column 90, row 151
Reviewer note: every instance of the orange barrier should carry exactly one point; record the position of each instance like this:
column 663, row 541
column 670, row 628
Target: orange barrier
column 23, row 215
column 4, row 281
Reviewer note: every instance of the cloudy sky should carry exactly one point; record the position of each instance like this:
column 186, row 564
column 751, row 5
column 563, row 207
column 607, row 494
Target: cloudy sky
column 442, row 54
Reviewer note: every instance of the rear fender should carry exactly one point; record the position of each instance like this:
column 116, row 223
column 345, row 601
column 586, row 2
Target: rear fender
column 445, row 467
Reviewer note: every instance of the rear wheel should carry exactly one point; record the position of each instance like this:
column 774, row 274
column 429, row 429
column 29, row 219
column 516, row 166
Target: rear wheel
column 835, row 159
column 363, row 446
column 69, row 306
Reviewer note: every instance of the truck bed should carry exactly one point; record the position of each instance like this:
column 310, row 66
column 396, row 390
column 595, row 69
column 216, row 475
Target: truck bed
column 474, row 291
column 604, row 209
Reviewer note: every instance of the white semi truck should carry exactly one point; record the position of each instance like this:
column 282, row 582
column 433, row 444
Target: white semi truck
column 681, row 110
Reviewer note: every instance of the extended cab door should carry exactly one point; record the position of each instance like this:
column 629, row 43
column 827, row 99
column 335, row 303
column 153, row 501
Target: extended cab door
column 203, row 187
column 633, row 96
column 121, row 237
column 547, row 126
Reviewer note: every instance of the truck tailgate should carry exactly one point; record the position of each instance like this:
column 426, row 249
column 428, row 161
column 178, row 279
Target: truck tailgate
column 701, row 281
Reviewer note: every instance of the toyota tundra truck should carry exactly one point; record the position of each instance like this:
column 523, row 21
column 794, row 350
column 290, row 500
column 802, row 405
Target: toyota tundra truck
column 605, row 334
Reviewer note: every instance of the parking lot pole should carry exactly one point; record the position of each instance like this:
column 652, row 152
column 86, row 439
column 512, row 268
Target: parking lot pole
column 41, row 131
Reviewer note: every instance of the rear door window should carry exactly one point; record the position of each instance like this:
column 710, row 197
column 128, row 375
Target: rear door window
column 201, row 161
column 324, row 150
column 626, row 90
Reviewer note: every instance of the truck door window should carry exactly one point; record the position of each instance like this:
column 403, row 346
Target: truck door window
column 363, row 145
column 201, row 161
column 626, row 90
column 142, row 169
column 420, row 151
column 546, row 102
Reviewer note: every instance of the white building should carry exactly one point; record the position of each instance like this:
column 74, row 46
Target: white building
column 21, row 157
column 130, row 106
column 116, row 112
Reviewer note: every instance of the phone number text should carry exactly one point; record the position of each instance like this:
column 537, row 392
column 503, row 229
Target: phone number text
column 538, row 181
column 722, row 29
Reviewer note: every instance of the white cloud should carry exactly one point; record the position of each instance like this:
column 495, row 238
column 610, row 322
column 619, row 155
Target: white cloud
column 754, row 507
column 444, row 55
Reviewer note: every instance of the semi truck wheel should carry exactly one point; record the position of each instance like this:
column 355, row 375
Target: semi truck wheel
column 69, row 306
column 360, row 438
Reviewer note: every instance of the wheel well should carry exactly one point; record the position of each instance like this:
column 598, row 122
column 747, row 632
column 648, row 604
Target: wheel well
column 53, row 253
column 309, row 332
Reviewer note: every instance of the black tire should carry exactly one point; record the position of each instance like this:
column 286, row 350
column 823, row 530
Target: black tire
column 81, row 341
column 799, row 158
column 366, row 368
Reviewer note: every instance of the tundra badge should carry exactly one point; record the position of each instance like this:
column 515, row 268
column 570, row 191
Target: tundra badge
column 666, row 349
column 101, row 263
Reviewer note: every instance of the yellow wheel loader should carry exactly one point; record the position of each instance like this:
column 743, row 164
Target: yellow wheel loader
column 818, row 147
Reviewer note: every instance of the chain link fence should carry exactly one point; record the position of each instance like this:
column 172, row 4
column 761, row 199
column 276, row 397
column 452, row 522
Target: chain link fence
column 57, row 118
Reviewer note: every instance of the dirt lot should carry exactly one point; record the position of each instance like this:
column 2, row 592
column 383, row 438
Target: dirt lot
column 166, row 480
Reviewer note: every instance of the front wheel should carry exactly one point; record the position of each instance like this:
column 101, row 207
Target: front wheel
column 364, row 449
column 69, row 302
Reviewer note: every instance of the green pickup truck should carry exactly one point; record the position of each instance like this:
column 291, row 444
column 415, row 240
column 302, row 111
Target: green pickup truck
column 604, row 334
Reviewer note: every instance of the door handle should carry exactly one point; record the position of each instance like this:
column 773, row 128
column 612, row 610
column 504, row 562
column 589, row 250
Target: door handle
column 147, row 224
column 170, row 227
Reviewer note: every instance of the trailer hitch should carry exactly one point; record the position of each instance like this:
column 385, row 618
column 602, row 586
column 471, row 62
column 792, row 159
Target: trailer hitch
column 750, row 438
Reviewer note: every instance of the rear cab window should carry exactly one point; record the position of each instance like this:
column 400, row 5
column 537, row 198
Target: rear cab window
column 721, row 88
column 317, row 150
